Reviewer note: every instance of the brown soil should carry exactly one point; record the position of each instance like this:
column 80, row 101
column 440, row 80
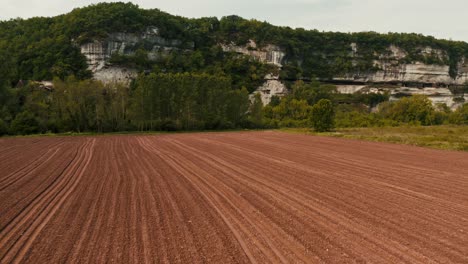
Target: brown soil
column 260, row 197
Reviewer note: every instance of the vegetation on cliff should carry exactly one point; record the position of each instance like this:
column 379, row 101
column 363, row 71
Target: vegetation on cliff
column 42, row 48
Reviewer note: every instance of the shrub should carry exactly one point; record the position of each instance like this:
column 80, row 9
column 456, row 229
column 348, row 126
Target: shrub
column 323, row 114
column 416, row 109
column 24, row 123
column 460, row 116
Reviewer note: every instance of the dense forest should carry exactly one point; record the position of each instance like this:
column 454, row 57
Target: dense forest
column 204, row 88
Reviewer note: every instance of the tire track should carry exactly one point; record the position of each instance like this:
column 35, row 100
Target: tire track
column 47, row 204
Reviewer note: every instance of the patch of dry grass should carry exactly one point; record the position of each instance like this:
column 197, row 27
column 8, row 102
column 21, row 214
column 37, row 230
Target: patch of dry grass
column 439, row 137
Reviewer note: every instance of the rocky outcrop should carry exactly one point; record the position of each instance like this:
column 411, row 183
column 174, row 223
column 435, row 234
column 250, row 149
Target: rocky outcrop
column 96, row 55
column 268, row 54
column 407, row 73
column 392, row 68
column 351, row 89
column 435, row 94
column 99, row 52
column 272, row 87
column 118, row 74
column 406, row 79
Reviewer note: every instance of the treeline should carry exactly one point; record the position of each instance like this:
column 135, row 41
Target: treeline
column 43, row 48
column 415, row 110
column 174, row 102
column 187, row 102
column 301, row 108
column 153, row 102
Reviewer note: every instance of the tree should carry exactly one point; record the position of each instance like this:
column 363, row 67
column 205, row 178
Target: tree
column 237, row 107
column 256, row 111
column 24, row 123
column 323, row 114
column 460, row 116
column 275, row 101
column 312, row 92
column 292, row 109
column 416, row 109
column 3, row 128
column 185, row 102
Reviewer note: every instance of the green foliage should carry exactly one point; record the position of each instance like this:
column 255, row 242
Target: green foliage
column 416, row 109
column 290, row 112
column 275, row 101
column 294, row 109
column 362, row 119
column 460, row 116
column 42, row 48
column 215, row 92
column 256, row 112
column 327, row 54
column 187, row 101
column 323, row 114
column 24, row 123
column 312, row 92
column 372, row 99
column 3, row 128
column 439, row 137
column 238, row 104
column 36, row 50
column 74, row 105
column 184, row 101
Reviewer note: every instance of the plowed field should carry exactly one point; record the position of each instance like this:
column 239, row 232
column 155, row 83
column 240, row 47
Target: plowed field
column 247, row 197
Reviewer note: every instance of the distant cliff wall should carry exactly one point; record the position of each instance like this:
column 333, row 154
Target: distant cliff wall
column 268, row 54
column 99, row 52
column 392, row 66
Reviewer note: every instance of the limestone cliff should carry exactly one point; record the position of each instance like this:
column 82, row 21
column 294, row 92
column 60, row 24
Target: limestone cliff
column 99, row 52
column 392, row 67
column 406, row 79
column 436, row 95
column 272, row 87
column 268, row 54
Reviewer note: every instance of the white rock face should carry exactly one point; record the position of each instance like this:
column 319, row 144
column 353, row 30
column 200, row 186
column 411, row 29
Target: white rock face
column 272, row 87
column 392, row 69
column 349, row 89
column 417, row 72
column 396, row 52
column 99, row 52
column 269, row 54
column 115, row 74
column 436, row 95
column 95, row 54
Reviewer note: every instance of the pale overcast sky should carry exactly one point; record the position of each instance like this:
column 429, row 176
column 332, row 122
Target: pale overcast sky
column 442, row 19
